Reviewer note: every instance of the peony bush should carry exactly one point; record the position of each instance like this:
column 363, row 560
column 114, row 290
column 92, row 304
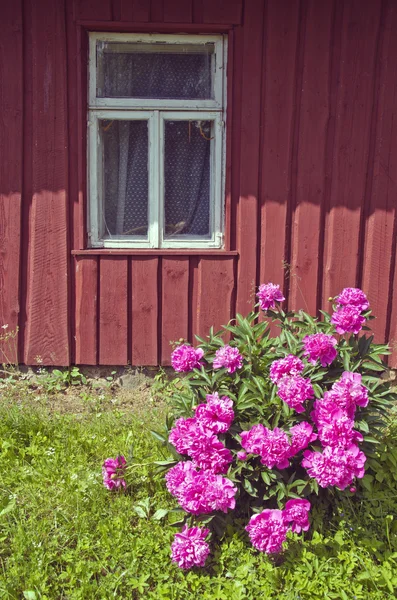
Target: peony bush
column 269, row 427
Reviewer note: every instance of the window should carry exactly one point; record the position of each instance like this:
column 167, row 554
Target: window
column 156, row 140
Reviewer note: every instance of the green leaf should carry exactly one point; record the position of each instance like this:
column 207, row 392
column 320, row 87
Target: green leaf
column 160, row 514
column 140, row 511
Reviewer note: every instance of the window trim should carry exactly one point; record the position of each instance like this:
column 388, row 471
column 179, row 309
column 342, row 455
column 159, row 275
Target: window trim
column 129, row 103
column 156, row 112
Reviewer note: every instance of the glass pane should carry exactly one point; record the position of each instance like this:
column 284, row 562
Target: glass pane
column 125, row 177
column 137, row 70
column 187, row 169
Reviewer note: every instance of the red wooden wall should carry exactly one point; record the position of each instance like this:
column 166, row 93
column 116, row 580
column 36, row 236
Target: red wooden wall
column 311, row 196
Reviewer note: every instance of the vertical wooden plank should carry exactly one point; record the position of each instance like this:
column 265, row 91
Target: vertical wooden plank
column 11, row 120
column 391, row 331
column 176, row 11
column 379, row 249
column 94, row 10
column 174, row 302
column 156, row 11
column 223, row 11
column 247, row 223
column 113, row 318
column 47, row 320
column 310, row 160
column 135, row 10
column 280, row 39
column 215, row 288
column 144, row 298
column 352, row 138
column 86, row 310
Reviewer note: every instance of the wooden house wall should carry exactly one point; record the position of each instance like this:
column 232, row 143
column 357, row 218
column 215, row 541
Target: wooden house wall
column 311, row 176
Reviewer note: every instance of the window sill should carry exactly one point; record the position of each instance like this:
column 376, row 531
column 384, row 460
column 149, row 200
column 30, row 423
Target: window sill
column 154, row 252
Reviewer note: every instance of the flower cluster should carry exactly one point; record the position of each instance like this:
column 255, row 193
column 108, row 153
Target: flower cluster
column 198, row 484
column 276, row 447
column 185, row 358
column 189, row 548
column 341, row 460
column 268, row 530
column 348, row 318
column 113, row 472
column 216, row 469
column 269, row 294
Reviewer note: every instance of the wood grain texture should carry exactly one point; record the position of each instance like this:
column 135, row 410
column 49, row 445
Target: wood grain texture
column 174, row 304
column 314, row 115
column 11, row 121
column 113, row 318
column 47, row 319
column 176, row 11
column 100, row 10
column 86, row 310
column 223, row 11
column 233, row 131
column 144, row 312
column 379, row 249
column 280, row 41
column 214, row 298
column 352, row 142
column 247, row 223
column 137, row 11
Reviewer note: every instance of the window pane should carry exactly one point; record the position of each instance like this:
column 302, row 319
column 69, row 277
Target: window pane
column 187, row 178
column 137, row 70
column 125, row 177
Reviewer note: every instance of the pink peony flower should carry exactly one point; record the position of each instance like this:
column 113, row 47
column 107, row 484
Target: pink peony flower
column 191, row 438
column 241, row 455
column 177, row 476
column 335, row 465
column 269, row 294
column 302, row 436
column 228, row 357
column 353, row 297
column 290, row 365
column 217, row 415
column 295, row 390
column 183, row 433
column 209, row 453
column 348, row 320
column 297, row 513
column 271, row 445
column 267, row 531
column 323, row 408
column 113, row 472
column 320, row 346
column 186, row 358
column 338, row 430
column 189, row 548
column 348, row 393
column 200, row 492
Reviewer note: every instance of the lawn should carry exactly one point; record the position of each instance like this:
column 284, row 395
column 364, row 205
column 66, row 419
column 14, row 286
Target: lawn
column 63, row 535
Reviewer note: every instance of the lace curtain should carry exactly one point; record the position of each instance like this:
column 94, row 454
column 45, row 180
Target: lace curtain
column 187, row 147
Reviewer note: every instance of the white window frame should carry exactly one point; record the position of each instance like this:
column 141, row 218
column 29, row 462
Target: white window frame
column 156, row 112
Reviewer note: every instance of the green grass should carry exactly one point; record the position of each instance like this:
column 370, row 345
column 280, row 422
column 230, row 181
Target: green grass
column 63, row 535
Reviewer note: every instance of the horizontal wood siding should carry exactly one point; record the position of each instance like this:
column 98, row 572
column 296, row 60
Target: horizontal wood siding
column 311, row 186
